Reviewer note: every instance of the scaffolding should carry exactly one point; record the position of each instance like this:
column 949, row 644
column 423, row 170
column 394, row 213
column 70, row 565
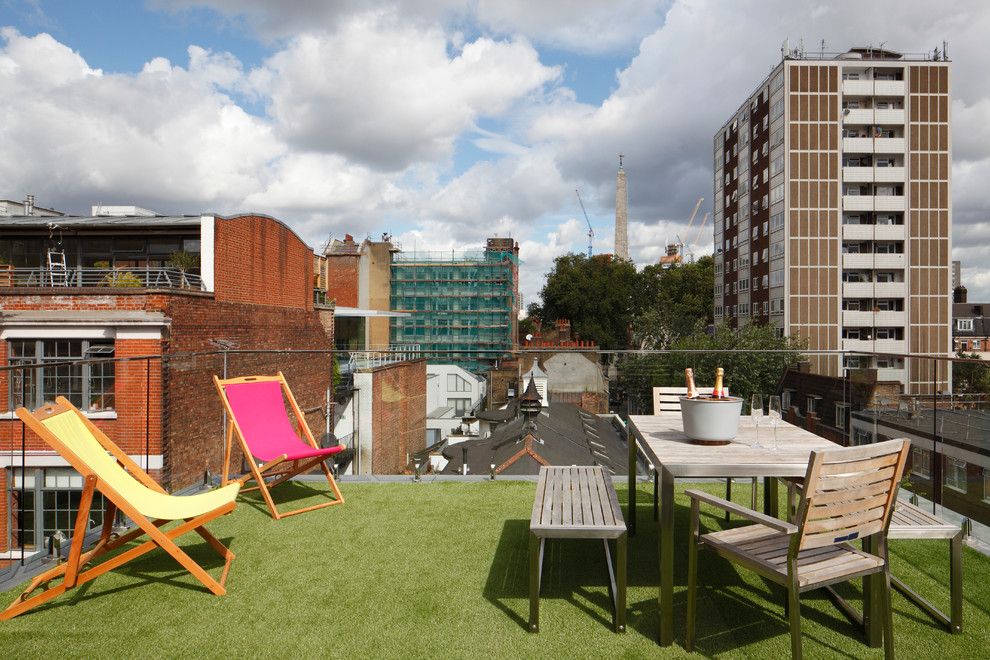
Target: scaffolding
column 463, row 305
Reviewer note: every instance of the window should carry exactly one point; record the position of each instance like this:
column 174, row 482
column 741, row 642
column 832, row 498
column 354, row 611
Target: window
column 776, row 306
column 776, row 166
column 743, row 309
column 955, row 473
column 777, row 193
column 766, row 281
column 457, row 384
column 884, row 276
column 51, row 501
column 921, row 462
column 964, row 325
column 785, row 400
column 861, row 437
column 986, row 484
column 811, row 405
column 777, row 221
column 461, row 406
column 88, row 386
column 744, row 284
column 840, row 415
column 776, row 250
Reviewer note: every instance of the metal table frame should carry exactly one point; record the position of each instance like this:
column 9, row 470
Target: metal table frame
column 662, row 440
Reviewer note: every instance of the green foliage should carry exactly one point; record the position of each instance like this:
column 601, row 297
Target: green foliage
column 676, row 301
column 598, row 295
column 746, row 372
column 970, row 378
column 183, row 261
column 121, row 278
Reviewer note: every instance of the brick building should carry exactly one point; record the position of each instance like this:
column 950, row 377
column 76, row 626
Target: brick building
column 120, row 295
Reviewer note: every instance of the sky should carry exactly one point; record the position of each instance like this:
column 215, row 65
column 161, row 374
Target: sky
column 441, row 122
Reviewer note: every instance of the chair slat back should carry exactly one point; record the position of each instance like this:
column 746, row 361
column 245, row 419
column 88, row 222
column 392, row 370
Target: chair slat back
column 849, row 493
column 667, row 400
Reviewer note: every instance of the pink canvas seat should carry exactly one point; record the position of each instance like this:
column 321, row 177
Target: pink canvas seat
column 268, row 433
column 275, row 448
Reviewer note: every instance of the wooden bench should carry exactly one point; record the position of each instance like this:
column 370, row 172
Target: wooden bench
column 909, row 521
column 577, row 502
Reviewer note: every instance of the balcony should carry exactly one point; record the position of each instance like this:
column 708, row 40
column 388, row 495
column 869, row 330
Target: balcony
column 857, row 202
column 888, row 202
column 873, row 232
column 857, row 174
column 888, row 87
column 857, row 260
column 869, row 319
column 894, row 145
column 857, row 145
column 890, row 232
column 857, row 116
column 888, row 174
column 888, row 116
column 889, row 261
column 873, row 290
column 148, row 278
column 857, row 87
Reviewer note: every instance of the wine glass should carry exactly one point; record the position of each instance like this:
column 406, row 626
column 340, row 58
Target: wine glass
column 756, row 413
column 775, row 417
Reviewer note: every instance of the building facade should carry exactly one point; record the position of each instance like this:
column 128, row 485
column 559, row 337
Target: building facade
column 833, row 213
column 118, row 297
column 463, row 306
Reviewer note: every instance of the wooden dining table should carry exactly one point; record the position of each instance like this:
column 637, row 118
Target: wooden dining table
column 664, row 444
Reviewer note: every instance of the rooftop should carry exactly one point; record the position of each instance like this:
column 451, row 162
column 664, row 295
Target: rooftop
column 440, row 569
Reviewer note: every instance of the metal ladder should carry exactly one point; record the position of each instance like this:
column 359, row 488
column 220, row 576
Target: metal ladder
column 58, row 273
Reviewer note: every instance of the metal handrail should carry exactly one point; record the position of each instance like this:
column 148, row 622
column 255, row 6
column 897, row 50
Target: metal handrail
column 135, row 277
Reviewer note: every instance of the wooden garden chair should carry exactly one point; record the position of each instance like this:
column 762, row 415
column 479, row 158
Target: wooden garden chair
column 126, row 488
column 848, row 496
column 273, row 448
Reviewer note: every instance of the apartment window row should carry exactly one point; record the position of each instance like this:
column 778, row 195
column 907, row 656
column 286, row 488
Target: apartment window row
column 88, row 386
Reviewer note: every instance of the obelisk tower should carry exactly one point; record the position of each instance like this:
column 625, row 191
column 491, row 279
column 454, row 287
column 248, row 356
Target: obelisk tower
column 621, row 219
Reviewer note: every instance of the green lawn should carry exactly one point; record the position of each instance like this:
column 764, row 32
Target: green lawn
column 440, row 570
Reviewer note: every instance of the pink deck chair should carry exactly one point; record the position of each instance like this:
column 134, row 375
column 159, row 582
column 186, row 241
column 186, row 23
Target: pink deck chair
column 273, row 448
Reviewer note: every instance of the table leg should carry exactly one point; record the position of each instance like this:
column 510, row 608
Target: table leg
column 535, row 568
column 872, row 617
column 770, row 496
column 666, row 548
column 631, row 521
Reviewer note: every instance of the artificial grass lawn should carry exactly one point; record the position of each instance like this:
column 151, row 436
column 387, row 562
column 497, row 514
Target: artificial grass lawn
column 440, row 570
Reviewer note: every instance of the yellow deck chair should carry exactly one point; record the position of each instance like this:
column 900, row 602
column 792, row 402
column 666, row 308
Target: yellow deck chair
column 127, row 488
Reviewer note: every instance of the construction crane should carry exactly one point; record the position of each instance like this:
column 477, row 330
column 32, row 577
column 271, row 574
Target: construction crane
column 697, row 236
column 694, row 213
column 591, row 232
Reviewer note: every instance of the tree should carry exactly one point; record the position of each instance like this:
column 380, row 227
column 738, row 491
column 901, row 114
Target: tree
column 754, row 359
column 969, row 378
column 597, row 294
column 676, row 301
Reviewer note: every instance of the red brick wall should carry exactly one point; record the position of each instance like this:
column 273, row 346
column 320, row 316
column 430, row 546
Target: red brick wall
column 261, row 261
column 398, row 409
column 193, row 420
column 342, row 278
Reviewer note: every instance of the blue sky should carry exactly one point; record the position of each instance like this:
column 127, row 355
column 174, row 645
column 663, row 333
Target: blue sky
column 439, row 121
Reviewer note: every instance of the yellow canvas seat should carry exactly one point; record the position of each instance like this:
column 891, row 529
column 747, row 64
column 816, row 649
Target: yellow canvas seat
column 127, row 488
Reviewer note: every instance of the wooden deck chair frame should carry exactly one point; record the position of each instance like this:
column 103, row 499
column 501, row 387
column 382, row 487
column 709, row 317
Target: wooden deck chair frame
column 849, row 495
column 280, row 468
column 77, row 569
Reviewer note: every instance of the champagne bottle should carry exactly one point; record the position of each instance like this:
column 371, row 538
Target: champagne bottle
column 692, row 392
column 717, row 391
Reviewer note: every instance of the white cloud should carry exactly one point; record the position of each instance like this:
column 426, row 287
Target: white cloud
column 583, row 26
column 388, row 95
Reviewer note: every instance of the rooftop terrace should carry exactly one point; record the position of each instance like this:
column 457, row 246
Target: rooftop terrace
column 440, row 569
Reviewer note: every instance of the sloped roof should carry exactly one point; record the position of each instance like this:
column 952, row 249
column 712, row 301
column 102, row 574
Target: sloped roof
column 562, row 434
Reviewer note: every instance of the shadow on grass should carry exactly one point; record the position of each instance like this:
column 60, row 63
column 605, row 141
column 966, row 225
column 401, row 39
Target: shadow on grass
column 287, row 495
column 572, row 569
column 155, row 567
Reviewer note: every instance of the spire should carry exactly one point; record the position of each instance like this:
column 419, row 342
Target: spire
column 621, row 209
column 529, row 402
